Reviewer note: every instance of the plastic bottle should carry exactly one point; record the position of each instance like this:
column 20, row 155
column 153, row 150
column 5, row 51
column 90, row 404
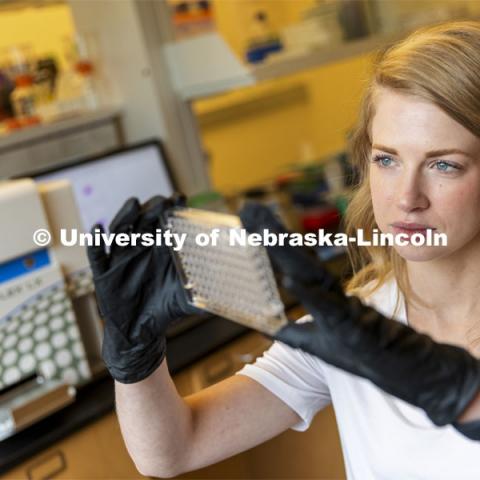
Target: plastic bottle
column 23, row 96
column 263, row 39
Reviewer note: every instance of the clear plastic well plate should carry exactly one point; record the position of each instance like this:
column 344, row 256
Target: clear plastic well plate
column 233, row 281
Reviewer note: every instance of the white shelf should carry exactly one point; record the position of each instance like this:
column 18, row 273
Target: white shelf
column 19, row 138
column 205, row 65
column 283, row 64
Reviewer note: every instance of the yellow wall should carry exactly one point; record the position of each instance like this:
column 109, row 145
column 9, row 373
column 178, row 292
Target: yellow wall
column 254, row 146
column 43, row 29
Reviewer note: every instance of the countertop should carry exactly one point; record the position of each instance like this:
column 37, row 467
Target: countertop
column 95, row 399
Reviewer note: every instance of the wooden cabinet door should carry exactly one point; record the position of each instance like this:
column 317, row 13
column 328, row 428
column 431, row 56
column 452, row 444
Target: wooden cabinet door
column 95, row 452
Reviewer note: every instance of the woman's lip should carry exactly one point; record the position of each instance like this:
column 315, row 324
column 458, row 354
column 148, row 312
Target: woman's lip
column 412, row 226
column 410, row 231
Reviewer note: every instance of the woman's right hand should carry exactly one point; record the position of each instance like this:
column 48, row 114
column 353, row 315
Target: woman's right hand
column 138, row 290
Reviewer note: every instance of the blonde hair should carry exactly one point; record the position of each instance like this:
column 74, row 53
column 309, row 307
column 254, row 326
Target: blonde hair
column 439, row 64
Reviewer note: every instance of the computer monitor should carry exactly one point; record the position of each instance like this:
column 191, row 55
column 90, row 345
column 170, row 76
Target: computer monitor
column 103, row 183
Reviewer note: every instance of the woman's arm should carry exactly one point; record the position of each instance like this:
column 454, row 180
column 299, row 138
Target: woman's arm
column 140, row 295
column 167, row 435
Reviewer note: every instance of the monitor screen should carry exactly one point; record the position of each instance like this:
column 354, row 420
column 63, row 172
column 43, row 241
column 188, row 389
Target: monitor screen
column 102, row 184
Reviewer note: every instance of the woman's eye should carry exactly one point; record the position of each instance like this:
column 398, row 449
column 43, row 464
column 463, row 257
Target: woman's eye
column 383, row 160
column 444, row 166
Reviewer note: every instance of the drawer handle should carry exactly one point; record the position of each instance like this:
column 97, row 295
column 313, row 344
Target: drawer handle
column 47, row 467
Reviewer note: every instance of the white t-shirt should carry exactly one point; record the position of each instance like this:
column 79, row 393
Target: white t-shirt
column 382, row 437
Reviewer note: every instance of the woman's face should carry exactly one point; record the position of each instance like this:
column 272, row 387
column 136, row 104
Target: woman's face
column 424, row 174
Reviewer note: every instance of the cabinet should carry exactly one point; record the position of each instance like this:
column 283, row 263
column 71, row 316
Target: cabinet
column 95, row 452
column 98, row 452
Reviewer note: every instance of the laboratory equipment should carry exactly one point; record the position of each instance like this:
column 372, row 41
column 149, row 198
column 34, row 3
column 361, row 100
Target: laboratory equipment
column 40, row 283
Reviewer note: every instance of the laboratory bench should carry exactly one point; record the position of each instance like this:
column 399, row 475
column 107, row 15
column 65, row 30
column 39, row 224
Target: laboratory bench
column 83, row 440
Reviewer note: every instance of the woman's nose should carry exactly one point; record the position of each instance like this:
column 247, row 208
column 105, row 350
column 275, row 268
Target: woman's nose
column 411, row 194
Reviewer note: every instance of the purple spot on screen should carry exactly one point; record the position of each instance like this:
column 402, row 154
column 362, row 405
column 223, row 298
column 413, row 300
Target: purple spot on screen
column 87, row 190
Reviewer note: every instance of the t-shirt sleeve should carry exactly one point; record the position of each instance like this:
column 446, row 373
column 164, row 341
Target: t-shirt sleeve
column 295, row 377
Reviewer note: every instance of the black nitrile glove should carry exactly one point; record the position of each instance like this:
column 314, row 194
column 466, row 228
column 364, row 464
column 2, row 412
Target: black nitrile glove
column 469, row 429
column 441, row 379
column 139, row 293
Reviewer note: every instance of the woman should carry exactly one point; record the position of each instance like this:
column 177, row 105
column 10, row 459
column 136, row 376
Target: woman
column 418, row 146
